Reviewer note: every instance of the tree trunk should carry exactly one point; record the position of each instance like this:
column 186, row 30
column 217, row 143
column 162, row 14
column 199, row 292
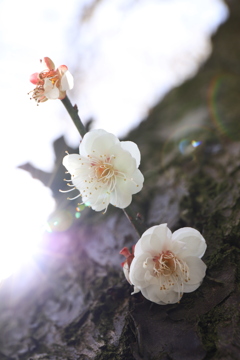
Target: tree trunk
column 74, row 302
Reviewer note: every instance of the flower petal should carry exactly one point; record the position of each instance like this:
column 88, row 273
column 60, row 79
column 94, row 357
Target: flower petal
column 161, row 297
column 161, row 238
column 133, row 149
column 121, row 197
column 97, row 142
column 123, row 160
column 62, row 69
column 67, row 81
column 143, row 245
column 34, row 78
column 136, row 182
column 153, row 243
column 195, row 244
column 197, row 270
column 187, row 288
column 52, row 94
column 48, row 63
column 137, row 271
column 150, row 230
column 71, row 162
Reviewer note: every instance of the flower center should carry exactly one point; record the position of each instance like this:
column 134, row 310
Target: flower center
column 164, row 264
column 104, row 172
column 169, row 265
column 52, row 75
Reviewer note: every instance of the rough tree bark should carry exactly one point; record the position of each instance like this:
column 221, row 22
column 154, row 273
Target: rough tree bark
column 74, row 302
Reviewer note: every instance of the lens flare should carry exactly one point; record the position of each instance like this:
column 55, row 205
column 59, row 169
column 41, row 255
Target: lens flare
column 60, row 221
column 195, row 143
column 77, row 215
column 222, row 107
column 186, row 146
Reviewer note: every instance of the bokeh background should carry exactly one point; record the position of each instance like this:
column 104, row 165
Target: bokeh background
column 124, row 55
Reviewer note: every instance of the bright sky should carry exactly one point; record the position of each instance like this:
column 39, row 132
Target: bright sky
column 124, row 58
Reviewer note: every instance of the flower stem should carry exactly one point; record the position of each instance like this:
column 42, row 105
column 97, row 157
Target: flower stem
column 73, row 112
column 135, row 220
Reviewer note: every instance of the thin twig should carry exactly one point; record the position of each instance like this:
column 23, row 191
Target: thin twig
column 135, row 220
column 73, row 112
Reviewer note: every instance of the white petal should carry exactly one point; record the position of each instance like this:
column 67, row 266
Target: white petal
column 150, row 230
column 121, row 197
column 71, row 162
column 150, row 243
column 123, row 160
column 187, row 288
column 195, row 244
column 85, row 146
column 143, row 244
column 161, row 241
column 52, row 94
column 197, row 270
column 137, row 271
column 162, row 297
column 97, row 142
column 99, row 206
column 50, row 90
column 67, row 81
column 135, row 290
column 133, row 149
column 98, row 198
column 136, row 182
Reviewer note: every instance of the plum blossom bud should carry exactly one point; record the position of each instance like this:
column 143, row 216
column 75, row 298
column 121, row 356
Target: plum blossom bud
column 106, row 171
column 166, row 264
column 51, row 83
column 127, row 263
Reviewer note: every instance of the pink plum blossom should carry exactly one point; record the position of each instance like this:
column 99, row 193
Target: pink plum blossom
column 51, row 83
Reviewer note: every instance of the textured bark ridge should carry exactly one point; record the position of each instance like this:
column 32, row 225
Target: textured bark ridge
column 74, row 303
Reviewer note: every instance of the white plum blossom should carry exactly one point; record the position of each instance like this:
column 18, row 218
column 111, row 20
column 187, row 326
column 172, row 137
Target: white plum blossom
column 51, row 83
column 106, row 171
column 166, row 264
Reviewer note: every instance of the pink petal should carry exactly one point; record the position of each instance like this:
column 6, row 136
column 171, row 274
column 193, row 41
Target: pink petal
column 62, row 69
column 34, row 78
column 125, row 252
column 48, row 63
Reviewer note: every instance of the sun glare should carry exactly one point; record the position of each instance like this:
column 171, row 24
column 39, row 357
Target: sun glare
column 25, row 224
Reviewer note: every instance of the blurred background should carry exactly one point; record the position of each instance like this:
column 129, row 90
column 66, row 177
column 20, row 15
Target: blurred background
column 124, row 55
